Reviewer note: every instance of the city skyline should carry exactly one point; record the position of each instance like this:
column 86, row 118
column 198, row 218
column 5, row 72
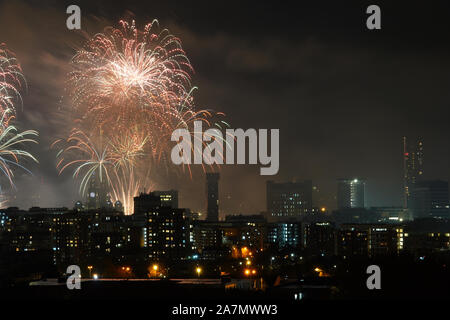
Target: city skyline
column 224, row 158
column 170, row 249
column 232, row 71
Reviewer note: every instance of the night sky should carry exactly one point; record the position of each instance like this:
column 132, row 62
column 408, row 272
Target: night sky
column 341, row 95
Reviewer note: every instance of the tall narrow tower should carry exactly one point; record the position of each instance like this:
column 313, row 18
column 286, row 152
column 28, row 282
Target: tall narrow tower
column 212, row 193
column 97, row 193
column 412, row 167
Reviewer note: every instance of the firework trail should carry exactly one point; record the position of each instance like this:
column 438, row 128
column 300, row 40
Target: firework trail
column 97, row 160
column 10, row 154
column 91, row 159
column 129, row 89
column 12, row 82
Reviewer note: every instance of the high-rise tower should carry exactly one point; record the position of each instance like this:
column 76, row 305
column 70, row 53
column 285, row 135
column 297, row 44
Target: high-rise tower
column 97, row 193
column 412, row 167
column 351, row 193
column 212, row 186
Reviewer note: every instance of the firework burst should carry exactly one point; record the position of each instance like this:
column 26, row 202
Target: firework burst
column 10, row 154
column 89, row 158
column 130, row 89
column 12, row 82
column 126, row 75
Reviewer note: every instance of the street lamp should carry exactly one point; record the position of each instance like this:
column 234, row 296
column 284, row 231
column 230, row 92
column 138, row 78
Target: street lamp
column 154, row 270
column 199, row 271
column 320, row 272
column 90, row 271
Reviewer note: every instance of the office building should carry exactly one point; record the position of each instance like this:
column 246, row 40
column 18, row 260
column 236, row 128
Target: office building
column 206, row 234
column 319, row 238
column 370, row 239
column 168, row 198
column 351, row 193
column 166, row 233
column 430, row 199
column 427, row 236
column 412, row 167
column 245, row 231
column 391, row 214
column 285, row 235
column 288, row 201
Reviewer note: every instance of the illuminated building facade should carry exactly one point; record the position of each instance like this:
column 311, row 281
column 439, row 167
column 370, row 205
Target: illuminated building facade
column 166, row 233
column 351, row 193
column 370, row 239
column 206, row 234
column 289, row 200
column 412, row 167
column 285, row 235
column 168, row 198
